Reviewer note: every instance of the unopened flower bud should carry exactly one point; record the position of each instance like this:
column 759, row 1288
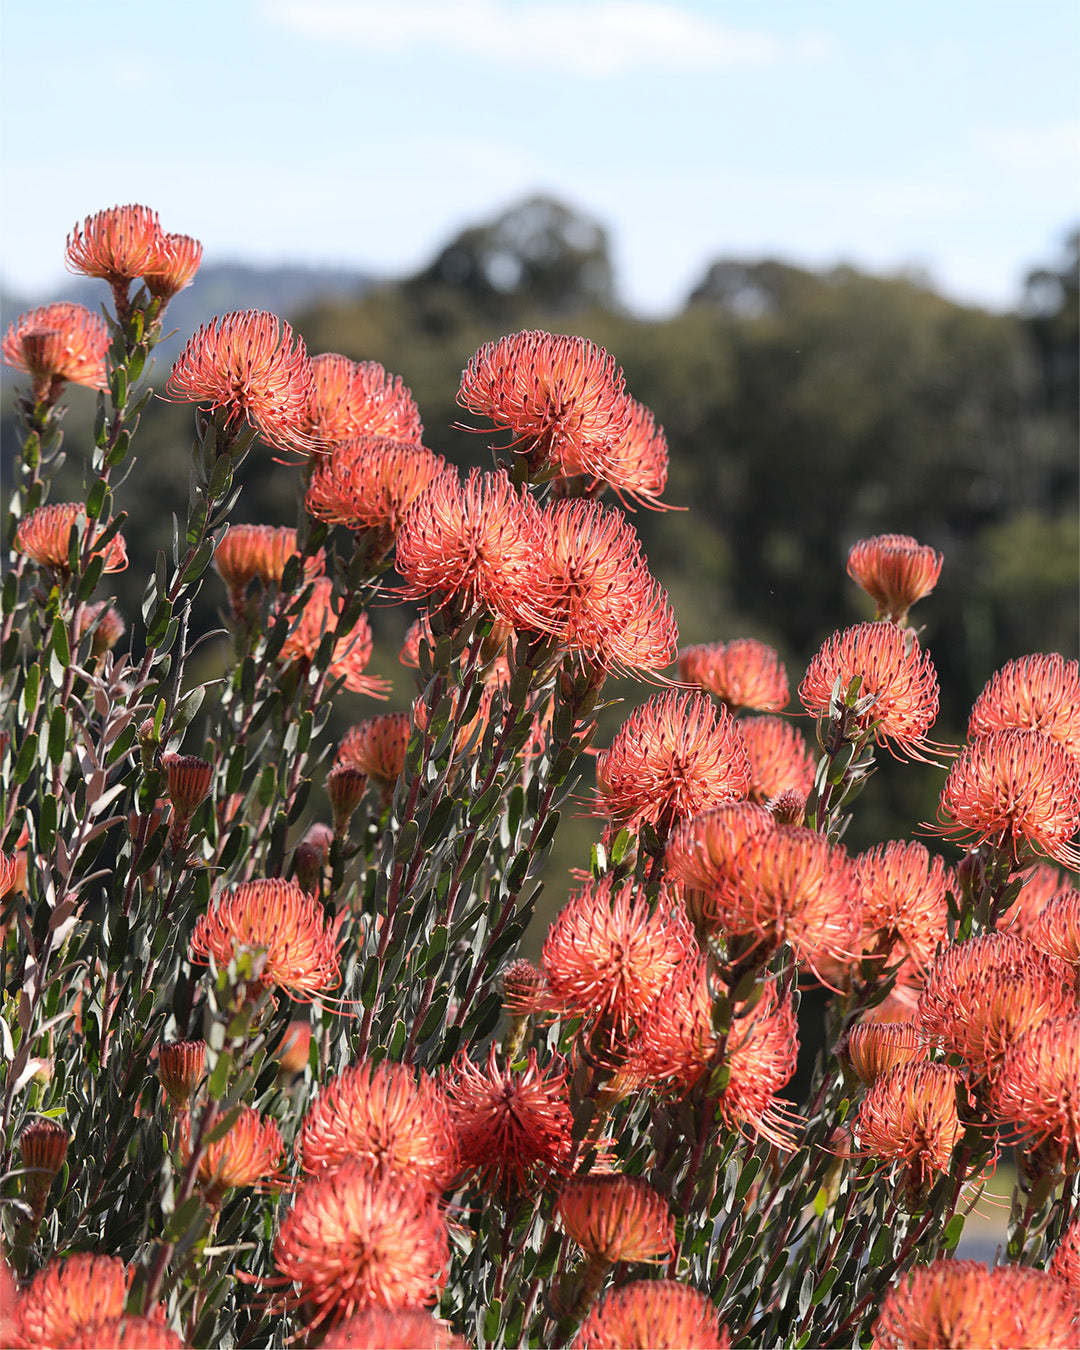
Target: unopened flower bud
column 345, row 786
column 43, row 1147
column 788, row 807
column 181, row 1065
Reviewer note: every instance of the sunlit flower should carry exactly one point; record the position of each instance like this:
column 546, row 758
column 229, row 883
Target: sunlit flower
column 608, row 955
column 1032, row 693
column 663, row 1314
column 396, row 1119
column 403, row 1328
column 895, row 570
column 369, row 483
column 68, row 1296
column 57, row 343
column 514, row 1125
column 277, row 918
column 635, row 465
column 354, row 1239
column 909, row 1115
column 678, row 1043
column 1039, row 883
column 903, row 891
column 1065, row 1264
column 249, row 1152
column 1037, row 1087
column 181, row 1065
column 44, row 534
column 616, row 1218
column 980, row 995
column 701, row 851
column 562, row 398
column 350, row 653
column 474, row 540
column 294, row 1052
column 117, row 244
column 188, row 779
column 743, row 673
column 127, row 1332
column 874, row 1048
column 674, row 757
column 247, row 363
column 1016, row 790
column 376, row 746
column 961, row 1305
column 892, row 670
column 359, row 398
column 1057, row 928
column 780, row 759
column 173, row 265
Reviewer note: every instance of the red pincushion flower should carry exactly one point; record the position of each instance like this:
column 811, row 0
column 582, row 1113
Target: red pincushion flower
column 616, row 1218
column 909, row 1114
column 403, row 1328
column 1056, row 931
column 903, row 893
column 117, row 245
column 350, row 653
column 743, row 673
column 278, row 918
column 892, row 669
column 250, row 1151
column 43, row 535
column 173, row 265
column 247, row 362
column 69, row 1297
column 663, row 1314
column 875, row 1048
column 1037, row 1087
column 1016, row 790
column 359, row 398
column 56, row 343
column 780, row 759
column 635, row 465
column 386, row 1114
column 1065, row 1264
column 895, row 570
column 376, row 746
column 1033, row 693
column 673, row 757
column 126, row 1333
column 370, row 482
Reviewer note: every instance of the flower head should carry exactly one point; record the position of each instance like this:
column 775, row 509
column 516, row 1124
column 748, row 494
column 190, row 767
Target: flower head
column 616, row 1218
column 875, row 1048
column 386, row 1114
column 1056, row 930
column 376, row 746
column 181, row 1065
column 250, row 1151
column 173, row 265
column 701, row 851
column 247, row 363
column 58, row 343
column 369, row 483
column 44, row 535
column 674, row 757
column 403, row 1328
column 277, row 918
column 960, row 1305
column 70, row 1295
column 780, row 759
column 1018, row 791
column 903, row 892
column 127, row 1332
column 359, row 398
column 117, row 245
column 188, row 779
column 514, row 1125
column 909, row 1115
column 354, row 1239
column 1033, row 693
column 1065, row 1264
column 245, row 552
column 1037, row 1087
column 349, row 654
column 892, row 670
column 743, row 673
column 895, row 570
column 43, row 1146
column 635, row 465
column 107, row 624
column 663, row 1314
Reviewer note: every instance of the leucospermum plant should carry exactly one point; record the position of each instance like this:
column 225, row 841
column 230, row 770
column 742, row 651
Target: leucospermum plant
column 277, row 1069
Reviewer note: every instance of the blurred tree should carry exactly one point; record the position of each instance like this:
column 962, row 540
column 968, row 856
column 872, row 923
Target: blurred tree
column 1051, row 309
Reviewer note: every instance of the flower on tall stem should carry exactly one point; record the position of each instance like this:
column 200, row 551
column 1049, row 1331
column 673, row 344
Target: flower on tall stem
column 247, row 363
column 370, row 482
column 873, row 1049
column 117, row 245
column 895, row 570
column 359, row 398
column 44, row 535
column 663, row 1314
column 1032, row 693
column 56, row 344
column 1036, row 1089
column 897, row 681
column 743, row 673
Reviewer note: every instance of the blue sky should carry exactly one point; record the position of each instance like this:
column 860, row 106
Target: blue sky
column 934, row 134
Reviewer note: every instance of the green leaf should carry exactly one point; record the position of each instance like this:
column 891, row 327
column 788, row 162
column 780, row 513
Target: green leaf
column 951, row 1235
column 58, row 735
column 97, row 498
column 436, row 948
column 60, row 648
column 407, row 840
column 25, row 761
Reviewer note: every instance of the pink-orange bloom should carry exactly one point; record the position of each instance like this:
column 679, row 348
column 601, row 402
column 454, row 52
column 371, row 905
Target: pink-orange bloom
column 1065, row 1264
column 892, row 670
column 57, row 343
column 743, row 673
column 1033, row 693
column 909, row 1115
column 1039, row 884
column 1057, row 928
column 376, row 746
column 1037, row 1088
column 370, row 482
column 780, row 759
column 44, row 534
column 635, row 465
column 874, row 1048
column 349, row 655
column 359, row 398
column 118, row 244
column 173, row 265
column 616, row 1218
column 126, row 1333
column 903, row 890
column 1018, row 791
column 70, row 1296
column 895, row 570
column 403, row 1328
column 663, row 1314
column 250, row 1151
column 701, row 851
column 246, row 362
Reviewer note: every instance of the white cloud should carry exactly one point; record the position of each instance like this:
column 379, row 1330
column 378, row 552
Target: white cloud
column 1032, row 147
column 609, row 37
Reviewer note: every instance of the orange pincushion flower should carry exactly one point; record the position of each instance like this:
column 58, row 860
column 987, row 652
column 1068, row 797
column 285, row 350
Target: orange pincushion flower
column 43, row 535
column 674, row 757
column 892, row 669
column 249, row 1151
column 960, row 1305
column 387, row 1115
column 678, row 1043
column 514, row 1125
column 1065, row 1264
column 663, row 1314
column 370, row 482
column 245, row 552
column 188, row 779
column 608, row 955
column 702, row 850
column 376, row 746
column 475, row 540
column 355, row 1240
column 403, row 1328
column 1016, row 790
column 173, row 266
column 980, row 995
column 278, row 918
column 70, row 1295
column 635, row 465
column 1039, row 884
column 909, row 1115
column 780, row 759
column 350, row 653
column 1057, row 928
column 117, row 245
column 903, row 893
column 56, row 343
column 359, row 398
column 246, row 362
column 126, row 1333
column 563, row 398
column 744, row 673
column 1033, row 693
column 895, row 570
column 616, row 1218
column 874, row 1048
column 1037, row 1087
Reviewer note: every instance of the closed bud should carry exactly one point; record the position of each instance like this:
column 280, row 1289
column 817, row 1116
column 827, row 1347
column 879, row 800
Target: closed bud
column 345, row 786
column 181, row 1065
